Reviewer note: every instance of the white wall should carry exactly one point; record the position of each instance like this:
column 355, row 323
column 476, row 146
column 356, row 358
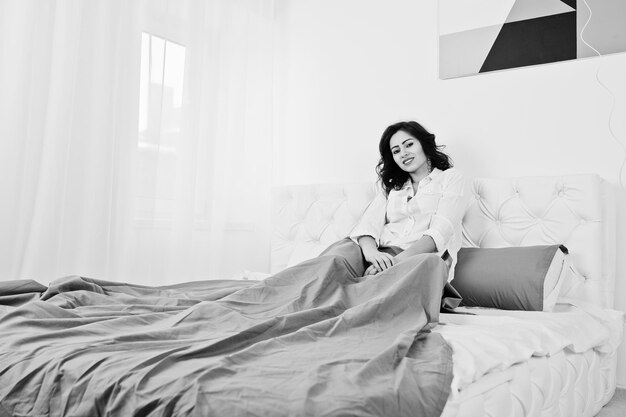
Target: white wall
column 345, row 69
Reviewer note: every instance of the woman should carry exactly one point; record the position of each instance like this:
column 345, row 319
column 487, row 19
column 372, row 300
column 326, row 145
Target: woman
column 421, row 204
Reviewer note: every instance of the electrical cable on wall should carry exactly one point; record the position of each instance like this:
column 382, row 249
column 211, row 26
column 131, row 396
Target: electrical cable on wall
column 613, row 135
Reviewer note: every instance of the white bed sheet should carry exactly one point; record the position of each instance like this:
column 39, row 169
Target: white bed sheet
column 493, row 340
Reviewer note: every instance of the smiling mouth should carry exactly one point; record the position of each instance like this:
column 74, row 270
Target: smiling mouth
column 407, row 161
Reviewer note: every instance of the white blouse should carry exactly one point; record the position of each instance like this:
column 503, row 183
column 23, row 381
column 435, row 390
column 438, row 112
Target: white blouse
column 403, row 217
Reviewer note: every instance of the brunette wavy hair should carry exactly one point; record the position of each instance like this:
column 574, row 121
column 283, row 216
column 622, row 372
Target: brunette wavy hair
column 390, row 175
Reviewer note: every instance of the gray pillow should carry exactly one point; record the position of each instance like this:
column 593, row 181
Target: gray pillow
column 512, row 278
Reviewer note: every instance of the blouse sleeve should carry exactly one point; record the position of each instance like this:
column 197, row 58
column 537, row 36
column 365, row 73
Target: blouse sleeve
column 450, row 210
column 373, row 220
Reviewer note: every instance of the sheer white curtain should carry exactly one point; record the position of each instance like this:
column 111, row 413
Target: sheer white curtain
column 94, row 184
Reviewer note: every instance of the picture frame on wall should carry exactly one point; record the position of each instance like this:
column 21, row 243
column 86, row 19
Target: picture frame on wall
column 479, row 36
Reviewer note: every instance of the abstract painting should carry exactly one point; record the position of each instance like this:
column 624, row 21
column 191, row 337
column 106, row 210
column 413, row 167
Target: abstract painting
column 477, row 36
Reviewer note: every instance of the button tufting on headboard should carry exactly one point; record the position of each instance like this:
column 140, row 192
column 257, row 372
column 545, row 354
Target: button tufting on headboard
column 575, row 210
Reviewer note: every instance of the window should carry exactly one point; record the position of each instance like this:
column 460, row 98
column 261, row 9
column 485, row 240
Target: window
column 160, row 117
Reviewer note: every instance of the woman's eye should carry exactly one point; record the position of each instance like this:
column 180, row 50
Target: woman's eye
column 408, row 145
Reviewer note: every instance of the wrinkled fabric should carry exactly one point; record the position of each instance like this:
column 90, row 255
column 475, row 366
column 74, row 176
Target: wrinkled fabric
column 17, row 292
column 315, row 339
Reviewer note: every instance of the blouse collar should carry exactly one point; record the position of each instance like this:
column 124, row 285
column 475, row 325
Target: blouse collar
column 428, row 178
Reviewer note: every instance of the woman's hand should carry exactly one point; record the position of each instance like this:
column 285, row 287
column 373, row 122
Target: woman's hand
column 379, row 261
column 371, row 270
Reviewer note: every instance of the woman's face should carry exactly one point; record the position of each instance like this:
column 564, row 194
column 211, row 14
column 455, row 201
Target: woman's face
column 408, row 153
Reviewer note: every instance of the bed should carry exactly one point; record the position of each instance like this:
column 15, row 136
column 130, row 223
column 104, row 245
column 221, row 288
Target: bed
column 571, row 369
column 277, row 346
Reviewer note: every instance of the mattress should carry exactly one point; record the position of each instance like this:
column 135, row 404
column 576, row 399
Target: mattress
column 529, row 363
column 517, row 363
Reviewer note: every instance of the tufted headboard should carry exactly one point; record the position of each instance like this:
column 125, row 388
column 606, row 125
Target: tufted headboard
column 575, row 210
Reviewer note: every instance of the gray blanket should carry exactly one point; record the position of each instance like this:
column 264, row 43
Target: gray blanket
column 312, row 340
